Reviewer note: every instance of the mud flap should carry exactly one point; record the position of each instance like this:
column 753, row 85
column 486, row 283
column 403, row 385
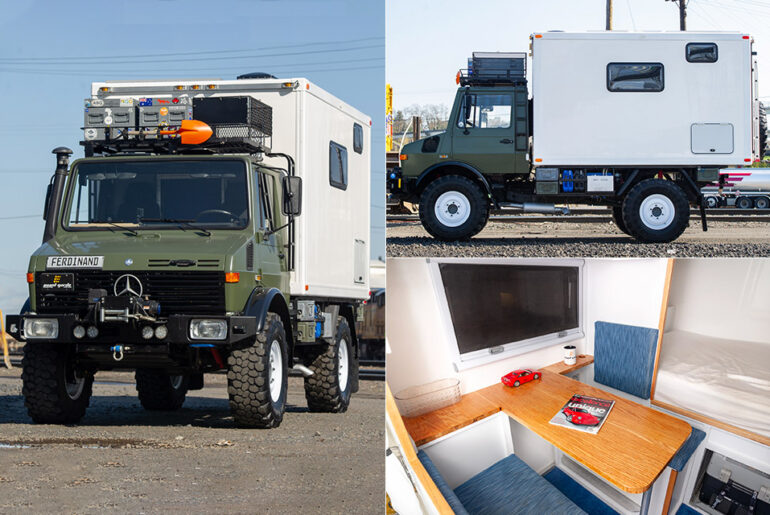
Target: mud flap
column 702, row 205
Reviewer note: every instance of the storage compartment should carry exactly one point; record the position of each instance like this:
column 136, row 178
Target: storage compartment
column 712, row 138
column 727, row 486
column 424, row 398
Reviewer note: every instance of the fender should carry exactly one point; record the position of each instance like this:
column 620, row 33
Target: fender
column 459, row 164
column 263, row 300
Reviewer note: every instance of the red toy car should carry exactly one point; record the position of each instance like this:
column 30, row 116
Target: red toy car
column 580, row 417
column 519, row 377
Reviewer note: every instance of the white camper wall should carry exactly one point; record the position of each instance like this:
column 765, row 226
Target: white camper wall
column 578, row 121
column 721, row 298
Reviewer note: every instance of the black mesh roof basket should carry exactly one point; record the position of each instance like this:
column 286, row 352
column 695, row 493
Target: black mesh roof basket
column 236, row 121
column 495, row 68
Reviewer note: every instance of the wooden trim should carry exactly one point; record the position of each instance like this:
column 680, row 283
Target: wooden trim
column 583, row 360
column 662, row 322
column 745, row 433
column 669, row 492
column 438, row 500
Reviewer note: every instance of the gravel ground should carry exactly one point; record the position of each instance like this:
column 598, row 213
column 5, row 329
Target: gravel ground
column 565, row 239
column 124, row 459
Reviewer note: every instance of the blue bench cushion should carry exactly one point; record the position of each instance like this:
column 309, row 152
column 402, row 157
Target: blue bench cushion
column 624, row 357
column 681, row 458
column 510, row 486
column 447, row 492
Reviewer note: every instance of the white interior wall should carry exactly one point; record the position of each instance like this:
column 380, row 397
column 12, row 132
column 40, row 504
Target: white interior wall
column 723, row 298
column 627, row 291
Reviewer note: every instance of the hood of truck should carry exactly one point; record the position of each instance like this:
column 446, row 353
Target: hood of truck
column 154, row 248
column 418, row 160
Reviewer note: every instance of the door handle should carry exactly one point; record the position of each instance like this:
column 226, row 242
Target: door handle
column 506, row 141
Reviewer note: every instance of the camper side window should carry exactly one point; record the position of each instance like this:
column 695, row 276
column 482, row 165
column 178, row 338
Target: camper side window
column 358, row 138
column 642, row 77
column 701, row 52
column 485, row 112
column 338, row 166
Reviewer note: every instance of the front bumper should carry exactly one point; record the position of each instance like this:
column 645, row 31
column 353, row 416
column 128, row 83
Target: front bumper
column 239, row 328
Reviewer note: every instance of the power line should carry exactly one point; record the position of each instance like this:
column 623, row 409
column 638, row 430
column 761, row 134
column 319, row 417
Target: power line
column 291, row 72
column 19, row 217
column 200, row 52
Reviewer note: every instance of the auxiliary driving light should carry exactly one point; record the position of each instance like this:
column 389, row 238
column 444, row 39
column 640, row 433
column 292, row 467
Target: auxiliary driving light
column 41, row 328
column 147, row 332
column 92, row 331
column 79, row 332
column 206, row 329
column 161, row 332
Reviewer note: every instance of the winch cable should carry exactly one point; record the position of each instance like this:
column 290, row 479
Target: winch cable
column 4, row 340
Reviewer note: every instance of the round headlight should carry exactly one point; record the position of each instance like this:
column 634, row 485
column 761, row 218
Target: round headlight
column 79, row 331
column 92, row 332
column 161, row 332
column 147, row 332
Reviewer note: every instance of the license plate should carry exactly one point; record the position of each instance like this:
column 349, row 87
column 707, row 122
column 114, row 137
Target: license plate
column 80, row 262
column 56, row 282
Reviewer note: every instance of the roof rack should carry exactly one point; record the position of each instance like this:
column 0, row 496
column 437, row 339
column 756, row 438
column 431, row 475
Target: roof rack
column 491, row 68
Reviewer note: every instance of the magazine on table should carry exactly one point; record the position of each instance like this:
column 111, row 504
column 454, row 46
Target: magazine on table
column 583, row 413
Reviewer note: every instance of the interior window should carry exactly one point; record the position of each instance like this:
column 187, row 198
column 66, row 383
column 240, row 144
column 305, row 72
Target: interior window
column 485, row 112
column 358, row 138
column 338, row 166
column 701, row 52
column 641, row 77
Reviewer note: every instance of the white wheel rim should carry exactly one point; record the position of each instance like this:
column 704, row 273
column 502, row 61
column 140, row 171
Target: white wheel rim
column 275, row 376
column 176, row 382
column 75, row 387
column 342, row 364
column 452, row 209
column 657, row 211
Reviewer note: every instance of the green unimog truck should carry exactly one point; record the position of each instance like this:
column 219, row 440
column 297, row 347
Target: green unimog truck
column 213, row 226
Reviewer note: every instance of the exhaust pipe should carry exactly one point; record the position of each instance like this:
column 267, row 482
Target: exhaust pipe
column 302, row 369
column 55, row 191
column 538, row 207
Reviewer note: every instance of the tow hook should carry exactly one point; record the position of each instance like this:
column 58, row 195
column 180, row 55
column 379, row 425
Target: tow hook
column 117, row 352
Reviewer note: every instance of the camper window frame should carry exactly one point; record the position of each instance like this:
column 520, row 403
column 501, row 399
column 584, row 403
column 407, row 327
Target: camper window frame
column 687, row 52
column 358, row 138
column 662, row 78
column 334, row 148
column 511, row 349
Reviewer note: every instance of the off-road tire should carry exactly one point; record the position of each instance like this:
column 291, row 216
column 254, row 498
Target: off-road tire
column 478, row 201
column 248, row 378
column 44, row 367
column 322, row 389
column 617, row 218
column 157, row 390
column 633, row 201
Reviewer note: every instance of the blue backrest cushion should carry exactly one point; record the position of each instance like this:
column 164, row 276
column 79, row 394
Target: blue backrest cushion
column 443, row 487
column 682, row 456
column 624, row 357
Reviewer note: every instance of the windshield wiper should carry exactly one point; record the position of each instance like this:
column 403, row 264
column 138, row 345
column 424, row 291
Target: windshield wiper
column 181, row 223
column 132, row 231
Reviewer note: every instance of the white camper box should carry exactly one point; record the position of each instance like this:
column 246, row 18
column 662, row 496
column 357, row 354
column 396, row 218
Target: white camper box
column 704, row 114
column 332, row 233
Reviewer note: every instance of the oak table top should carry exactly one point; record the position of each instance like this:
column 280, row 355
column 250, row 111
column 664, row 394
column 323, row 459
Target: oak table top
column 630, row 450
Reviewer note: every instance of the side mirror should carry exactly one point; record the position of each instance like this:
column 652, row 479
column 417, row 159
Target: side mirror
column 292, row 195
column 47, row 201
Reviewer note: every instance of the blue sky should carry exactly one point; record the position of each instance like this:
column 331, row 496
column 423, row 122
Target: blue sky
column 423, row 57
column 50, row 52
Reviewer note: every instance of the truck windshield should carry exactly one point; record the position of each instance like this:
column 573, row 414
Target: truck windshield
column 205, row 193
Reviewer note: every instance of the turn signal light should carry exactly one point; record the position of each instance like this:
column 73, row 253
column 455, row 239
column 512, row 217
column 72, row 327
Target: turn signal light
column 232, row 277
column 30, row 278
column 403, row 157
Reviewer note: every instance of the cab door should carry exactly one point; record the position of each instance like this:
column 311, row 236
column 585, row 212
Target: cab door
column 484, row 130
column 269, row 252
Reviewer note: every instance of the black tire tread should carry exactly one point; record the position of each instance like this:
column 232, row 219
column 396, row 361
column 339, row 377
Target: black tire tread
column 155, row 390
column 617, row 218
column 42, row 391
column 477, row 219
column 322, row 388
column 633, row 222
column 248, row 384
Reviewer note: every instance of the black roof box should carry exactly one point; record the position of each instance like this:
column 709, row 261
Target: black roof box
column 256, row 75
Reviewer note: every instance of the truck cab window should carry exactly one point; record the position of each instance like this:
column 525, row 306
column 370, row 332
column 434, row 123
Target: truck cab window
column 266, row 184
column 701, row 52
column 639, row 77
column 338, row 166
column 485, row 112
column 358, row 138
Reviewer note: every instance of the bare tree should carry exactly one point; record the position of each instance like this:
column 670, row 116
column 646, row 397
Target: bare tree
column 434, row 116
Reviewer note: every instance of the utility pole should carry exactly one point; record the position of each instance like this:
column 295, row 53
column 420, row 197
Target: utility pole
column 609, row 15
column 682, row 13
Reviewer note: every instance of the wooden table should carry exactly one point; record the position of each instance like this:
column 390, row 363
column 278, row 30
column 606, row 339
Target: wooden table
column 630, row 450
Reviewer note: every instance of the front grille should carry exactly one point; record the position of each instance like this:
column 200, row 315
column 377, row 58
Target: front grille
column 177, row 292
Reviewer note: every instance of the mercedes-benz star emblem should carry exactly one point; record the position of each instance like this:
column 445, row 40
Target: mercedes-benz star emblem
column 128, row 283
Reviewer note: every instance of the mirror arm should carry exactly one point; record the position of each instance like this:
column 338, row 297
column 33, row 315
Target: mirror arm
column 273, row 231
